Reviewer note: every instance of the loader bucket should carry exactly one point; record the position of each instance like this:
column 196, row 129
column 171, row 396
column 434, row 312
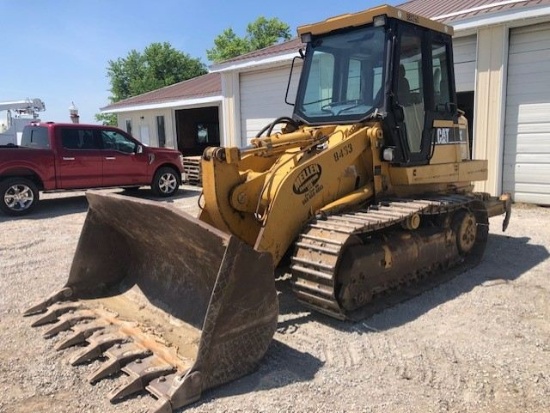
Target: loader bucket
column 174, row 303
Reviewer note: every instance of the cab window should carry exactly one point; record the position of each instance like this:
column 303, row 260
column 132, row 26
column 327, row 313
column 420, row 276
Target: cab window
column 78, row 139
column 113, row 140
column 442, row 90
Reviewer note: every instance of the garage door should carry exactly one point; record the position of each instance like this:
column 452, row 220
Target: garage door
column 526, row 166
column 263, row 98
column 464, row 54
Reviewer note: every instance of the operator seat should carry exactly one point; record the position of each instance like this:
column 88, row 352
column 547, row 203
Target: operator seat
column 413, row 111
column 403, row 87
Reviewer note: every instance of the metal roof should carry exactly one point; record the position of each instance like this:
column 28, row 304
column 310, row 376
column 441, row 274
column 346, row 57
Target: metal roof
column 278, row 49
column 453, row 11
column 198, row 87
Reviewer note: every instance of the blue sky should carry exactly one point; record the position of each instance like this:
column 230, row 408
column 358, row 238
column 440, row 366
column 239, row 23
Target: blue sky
column 59, row 50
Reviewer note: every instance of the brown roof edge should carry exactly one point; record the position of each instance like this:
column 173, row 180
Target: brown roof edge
column 197, row 87
column 455, row 11
column 274, row 50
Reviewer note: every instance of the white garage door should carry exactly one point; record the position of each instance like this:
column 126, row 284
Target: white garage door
column 464, row 56
column 263, row 98
column 526, row 166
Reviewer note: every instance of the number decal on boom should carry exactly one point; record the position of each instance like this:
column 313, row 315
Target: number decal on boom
column 343, row 152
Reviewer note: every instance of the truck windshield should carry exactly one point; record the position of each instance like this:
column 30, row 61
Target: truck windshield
column 342, row 77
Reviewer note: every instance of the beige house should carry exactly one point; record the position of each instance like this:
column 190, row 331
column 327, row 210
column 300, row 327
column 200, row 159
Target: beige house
column 502, row 68
column 185, row 115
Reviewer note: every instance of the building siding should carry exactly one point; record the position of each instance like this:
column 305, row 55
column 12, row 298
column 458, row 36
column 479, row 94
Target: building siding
column 263, row 98
column 526, row 170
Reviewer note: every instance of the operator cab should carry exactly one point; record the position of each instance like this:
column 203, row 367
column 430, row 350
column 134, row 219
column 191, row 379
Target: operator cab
column 385, row 65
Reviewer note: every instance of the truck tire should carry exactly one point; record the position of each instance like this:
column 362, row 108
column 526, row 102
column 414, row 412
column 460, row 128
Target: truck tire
column 19, row 196
column 166, row 182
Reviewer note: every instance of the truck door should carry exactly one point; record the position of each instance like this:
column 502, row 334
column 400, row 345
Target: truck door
column 122, row 164
column 79, row 158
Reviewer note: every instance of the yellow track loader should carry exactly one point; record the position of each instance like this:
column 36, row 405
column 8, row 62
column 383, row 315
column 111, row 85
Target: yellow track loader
column 366, row 188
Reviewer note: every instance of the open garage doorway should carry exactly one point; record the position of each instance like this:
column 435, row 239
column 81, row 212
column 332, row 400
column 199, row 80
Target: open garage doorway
column 465, row 101
column 197, row 129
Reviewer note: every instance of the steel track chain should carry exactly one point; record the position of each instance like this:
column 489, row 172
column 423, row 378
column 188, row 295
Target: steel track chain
column 321, row 244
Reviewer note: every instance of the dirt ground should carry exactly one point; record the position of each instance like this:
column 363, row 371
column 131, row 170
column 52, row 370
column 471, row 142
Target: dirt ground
column 478, row 343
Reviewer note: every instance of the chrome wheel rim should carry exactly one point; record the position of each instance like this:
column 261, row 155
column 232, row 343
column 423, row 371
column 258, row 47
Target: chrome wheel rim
column 168, row 183
column 18, row 197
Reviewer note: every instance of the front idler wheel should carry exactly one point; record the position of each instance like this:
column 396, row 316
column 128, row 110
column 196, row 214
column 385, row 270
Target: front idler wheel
column 465, row 227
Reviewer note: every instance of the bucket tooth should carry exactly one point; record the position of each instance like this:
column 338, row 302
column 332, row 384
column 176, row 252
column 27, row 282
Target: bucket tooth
column 81, row 333
column 162, row 406
column 140, row 373
column 119, row 356
column 62, row 295
column 99, row 342
column 162, row 389
column 54, row 312
column 67, row 321
column 176, row 390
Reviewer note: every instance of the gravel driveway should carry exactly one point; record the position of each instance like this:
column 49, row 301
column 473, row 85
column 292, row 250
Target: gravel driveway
column 479, row 343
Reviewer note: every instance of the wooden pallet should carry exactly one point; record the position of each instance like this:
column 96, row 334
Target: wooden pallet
column 192, row 170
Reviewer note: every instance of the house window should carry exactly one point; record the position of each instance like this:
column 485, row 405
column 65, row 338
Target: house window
column 129, row 126
column 161, row 131
column 207, row 134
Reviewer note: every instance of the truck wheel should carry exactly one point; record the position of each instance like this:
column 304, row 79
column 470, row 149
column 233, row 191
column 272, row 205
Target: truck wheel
column 19, row 196
column 166, row 182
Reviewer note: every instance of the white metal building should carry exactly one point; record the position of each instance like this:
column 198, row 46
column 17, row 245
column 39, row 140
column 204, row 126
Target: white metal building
column 502, row 67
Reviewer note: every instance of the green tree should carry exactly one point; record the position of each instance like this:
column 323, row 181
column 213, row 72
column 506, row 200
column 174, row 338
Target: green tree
column 259, row 34
column 107, row 119
column 157, row 66
column 227, row 45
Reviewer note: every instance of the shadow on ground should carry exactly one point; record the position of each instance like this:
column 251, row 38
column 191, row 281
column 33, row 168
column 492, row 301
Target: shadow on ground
column 293, row 367
column 52, row 207
column 505, row 260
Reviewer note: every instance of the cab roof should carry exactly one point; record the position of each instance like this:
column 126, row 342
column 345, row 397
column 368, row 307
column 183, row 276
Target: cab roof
column 366, row 17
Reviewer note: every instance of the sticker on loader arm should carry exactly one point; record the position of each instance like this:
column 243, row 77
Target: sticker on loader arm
column 307, row 182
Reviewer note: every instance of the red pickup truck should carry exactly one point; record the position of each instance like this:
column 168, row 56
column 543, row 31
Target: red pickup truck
column 59, row 156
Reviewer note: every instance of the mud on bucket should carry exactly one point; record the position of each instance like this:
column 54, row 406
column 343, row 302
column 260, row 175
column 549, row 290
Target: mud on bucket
column 176, row 304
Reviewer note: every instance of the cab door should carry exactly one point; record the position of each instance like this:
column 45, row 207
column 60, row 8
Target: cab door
column 123, row 163
column 424, row 93
column 79, row 157
column 442, row 126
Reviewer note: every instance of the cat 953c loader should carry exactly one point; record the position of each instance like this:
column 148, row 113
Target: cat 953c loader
column 368, row 187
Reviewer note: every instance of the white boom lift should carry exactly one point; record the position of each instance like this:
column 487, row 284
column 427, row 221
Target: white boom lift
column 19, row 114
